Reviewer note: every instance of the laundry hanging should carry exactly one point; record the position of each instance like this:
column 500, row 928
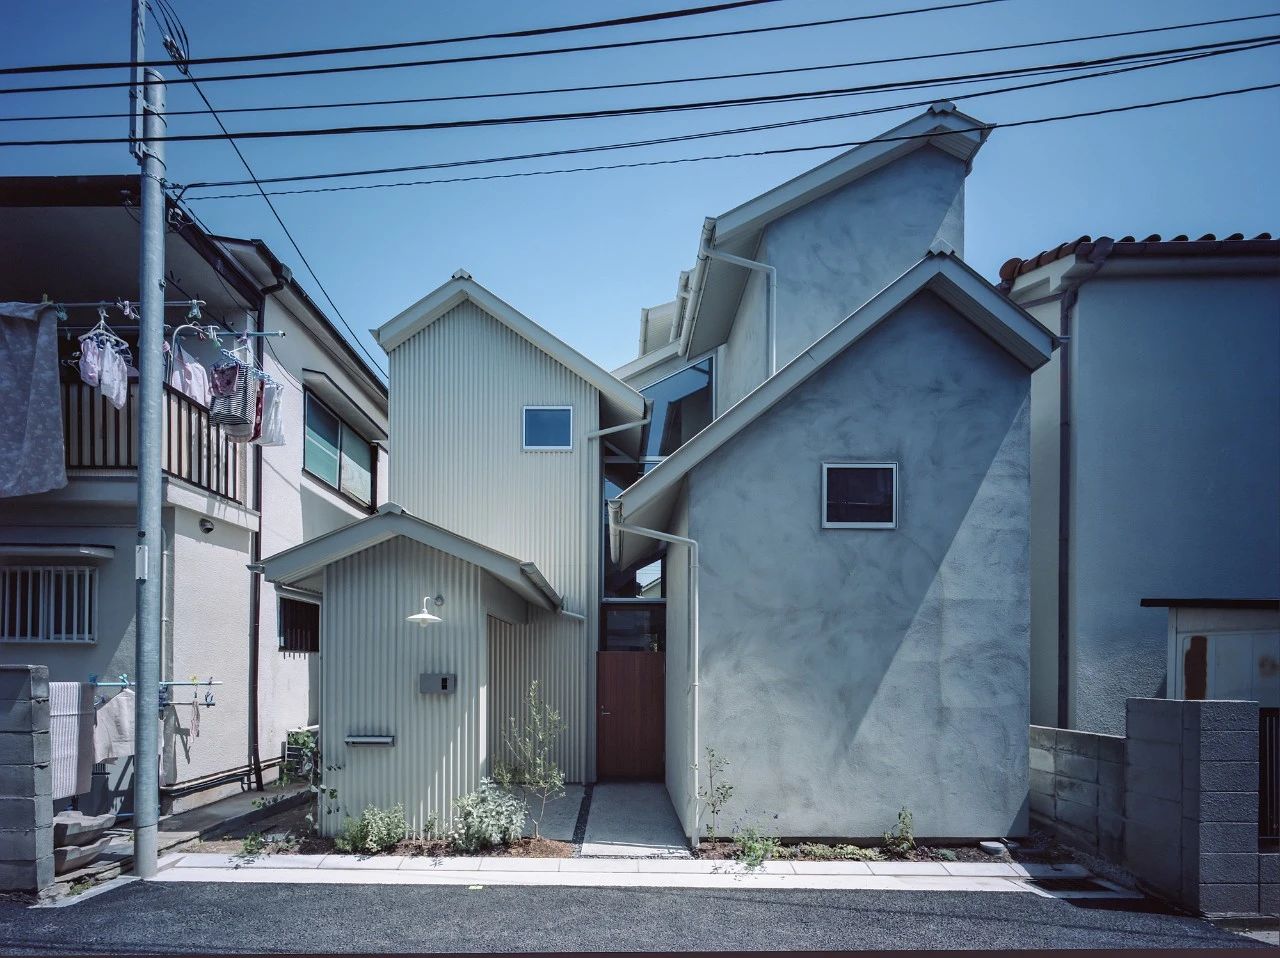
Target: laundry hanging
column 272, row 415
column 189, row 376
column 104, row 361
column 31, row 443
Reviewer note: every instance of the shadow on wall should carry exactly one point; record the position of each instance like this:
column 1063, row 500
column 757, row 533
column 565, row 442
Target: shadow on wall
column 876, row 669
column 320, row 514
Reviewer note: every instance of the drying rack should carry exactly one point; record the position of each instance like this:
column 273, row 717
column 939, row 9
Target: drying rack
column 165, row 687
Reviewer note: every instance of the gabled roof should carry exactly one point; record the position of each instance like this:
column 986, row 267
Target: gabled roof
column 522, row 578
column 619, row 403
column 649, row 502
column 716, row 286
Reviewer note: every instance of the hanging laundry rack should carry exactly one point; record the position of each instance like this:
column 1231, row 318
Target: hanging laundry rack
column 165, row 687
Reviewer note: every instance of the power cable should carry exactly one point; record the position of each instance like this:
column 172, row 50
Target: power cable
column 770, row 152
column 632, row 144
column 620, row 111
column 179, row 53
column 592, row 88
column 519, row 54
column 376, row 47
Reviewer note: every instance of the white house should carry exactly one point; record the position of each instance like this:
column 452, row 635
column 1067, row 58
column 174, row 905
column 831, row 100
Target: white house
column 1155, row 455
column 75, row 239
column 831, row 420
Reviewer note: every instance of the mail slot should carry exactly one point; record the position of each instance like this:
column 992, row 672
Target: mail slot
column 437, row 683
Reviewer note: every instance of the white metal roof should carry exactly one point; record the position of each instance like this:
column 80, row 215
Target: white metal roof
column 301, row 561
column 649, row 501
column 619, row 403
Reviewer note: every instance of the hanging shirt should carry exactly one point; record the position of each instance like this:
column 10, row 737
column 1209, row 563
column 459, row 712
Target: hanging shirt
column 90, row 362
column 189, row 377
column 252, row 427
column 31, row 445
column 272, row 415
column 113, row 379
column 224, row 379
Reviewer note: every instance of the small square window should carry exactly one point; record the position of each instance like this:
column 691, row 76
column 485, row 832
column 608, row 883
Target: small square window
column 859, row 495
column 299, row 624
column 548, row 427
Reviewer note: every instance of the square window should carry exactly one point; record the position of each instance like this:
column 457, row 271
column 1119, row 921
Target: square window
column 860, row 495
column 548, row 427
column 299, row 624
column 336, row 454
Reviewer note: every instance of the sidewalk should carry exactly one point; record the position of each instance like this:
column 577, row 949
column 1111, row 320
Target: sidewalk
column 623, row 873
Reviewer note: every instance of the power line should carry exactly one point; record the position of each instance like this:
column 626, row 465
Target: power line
column 401, row 45
column 179, row 53
column 770, row 152
column 519, row 54
column 627, row 111
column 632, row 144
column 402, row 101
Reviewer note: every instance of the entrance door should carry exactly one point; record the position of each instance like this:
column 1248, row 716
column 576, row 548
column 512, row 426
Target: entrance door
column 631, row 729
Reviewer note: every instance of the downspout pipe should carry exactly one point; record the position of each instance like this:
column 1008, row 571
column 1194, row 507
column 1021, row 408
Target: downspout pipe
column 616, row 526
column 694, row 297
column 771, row 301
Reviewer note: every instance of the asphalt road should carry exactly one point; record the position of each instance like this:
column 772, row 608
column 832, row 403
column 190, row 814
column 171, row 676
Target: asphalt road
column 190, row 918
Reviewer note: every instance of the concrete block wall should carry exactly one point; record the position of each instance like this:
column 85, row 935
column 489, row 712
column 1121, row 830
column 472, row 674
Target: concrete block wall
column 26, row 779
column 1174, row 801
column 1077, row 788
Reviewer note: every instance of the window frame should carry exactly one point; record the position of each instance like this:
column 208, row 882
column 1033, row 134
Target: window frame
column 45, row 591
column 823, row 502
column 524, row 430
column 308, row 396
column 280, row 636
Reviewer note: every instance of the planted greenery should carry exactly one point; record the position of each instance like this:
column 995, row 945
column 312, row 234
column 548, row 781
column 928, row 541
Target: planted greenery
column 715, row 794
column 376, row 830
column 901, row 840
column 489, row 816
column 754, row 847
column 531, row 764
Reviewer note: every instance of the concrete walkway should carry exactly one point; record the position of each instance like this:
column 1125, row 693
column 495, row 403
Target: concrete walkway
column 633, row 819
column 622, row 873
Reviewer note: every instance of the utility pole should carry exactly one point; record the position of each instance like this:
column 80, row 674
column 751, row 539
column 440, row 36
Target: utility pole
column 149, row 550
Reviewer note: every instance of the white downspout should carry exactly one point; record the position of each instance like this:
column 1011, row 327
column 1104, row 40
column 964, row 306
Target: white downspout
column 771, row 302
column 616, row 525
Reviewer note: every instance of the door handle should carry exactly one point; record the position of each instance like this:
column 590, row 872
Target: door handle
column 603, row 712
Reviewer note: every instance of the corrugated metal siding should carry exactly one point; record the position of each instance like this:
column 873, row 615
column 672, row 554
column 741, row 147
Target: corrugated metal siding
column 458, row 390
column 371, row 660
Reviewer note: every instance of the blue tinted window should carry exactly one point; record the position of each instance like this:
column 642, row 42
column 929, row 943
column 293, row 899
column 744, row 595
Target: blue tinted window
column 681, row 407
column 548, row 427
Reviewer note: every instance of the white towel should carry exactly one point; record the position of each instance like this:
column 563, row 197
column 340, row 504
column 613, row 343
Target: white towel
column 113, row 733
column 71, row 717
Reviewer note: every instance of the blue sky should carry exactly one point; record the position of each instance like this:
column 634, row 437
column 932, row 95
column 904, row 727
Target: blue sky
column 581, row 253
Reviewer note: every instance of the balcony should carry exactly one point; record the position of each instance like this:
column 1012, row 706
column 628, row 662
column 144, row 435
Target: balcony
column 98, row 437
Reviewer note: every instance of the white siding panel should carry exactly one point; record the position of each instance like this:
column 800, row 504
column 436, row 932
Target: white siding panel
column 459, row 387
column 371, row 660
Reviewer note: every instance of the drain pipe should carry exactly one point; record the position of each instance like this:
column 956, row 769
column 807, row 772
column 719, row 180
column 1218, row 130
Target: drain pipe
column 771, row 302
column 616, row 525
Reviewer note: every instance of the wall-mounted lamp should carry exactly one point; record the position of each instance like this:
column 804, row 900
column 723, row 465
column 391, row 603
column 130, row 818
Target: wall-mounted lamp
column 425, row 618
column 206, row 525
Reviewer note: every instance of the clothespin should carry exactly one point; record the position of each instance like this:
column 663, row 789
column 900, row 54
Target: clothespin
column 194, row 312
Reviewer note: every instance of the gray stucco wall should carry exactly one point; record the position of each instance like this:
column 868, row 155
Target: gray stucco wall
column 1176, row 410
column 847, row 673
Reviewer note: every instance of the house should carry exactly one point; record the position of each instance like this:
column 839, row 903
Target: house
column 1156, row 455
column 794, row 529
column 225, row 504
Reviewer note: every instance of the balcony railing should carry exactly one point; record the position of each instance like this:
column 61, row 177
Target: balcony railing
column 98, row 436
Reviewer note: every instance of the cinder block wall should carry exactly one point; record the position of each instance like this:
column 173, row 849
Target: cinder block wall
column 1174, row 801
column 1077, row 788
column 26, row 780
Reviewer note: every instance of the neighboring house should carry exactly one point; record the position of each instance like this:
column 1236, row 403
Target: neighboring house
column 1156, row 455
column 225, row 504
column 842, row 424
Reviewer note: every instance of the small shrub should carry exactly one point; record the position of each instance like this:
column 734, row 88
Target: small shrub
column 754, row 847
column 533, row 765
column 715, row 795
column 252, row 844
column 847, row 853
column 901, row 839
column 947, row 855
column 488, row 816
column 374, row 831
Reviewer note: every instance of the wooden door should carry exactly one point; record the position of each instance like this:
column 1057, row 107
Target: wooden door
column 631, row 725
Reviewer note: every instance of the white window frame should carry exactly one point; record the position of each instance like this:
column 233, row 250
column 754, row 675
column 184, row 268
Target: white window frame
column 87, row 635
column 822, row 506
column 524, row 430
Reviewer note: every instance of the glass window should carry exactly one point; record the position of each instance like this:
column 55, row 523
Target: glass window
column 48, row 604
column 357, row 466
column 320, row 450
column 548, row 427
column 299, row 624
column 681, row 408
column 859, row 495
column 336, row 454
column 634, row 628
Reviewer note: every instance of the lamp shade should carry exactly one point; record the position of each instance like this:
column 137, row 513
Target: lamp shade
column 424, row 618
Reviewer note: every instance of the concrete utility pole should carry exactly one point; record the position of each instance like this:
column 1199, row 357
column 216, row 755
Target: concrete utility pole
column 151, row 286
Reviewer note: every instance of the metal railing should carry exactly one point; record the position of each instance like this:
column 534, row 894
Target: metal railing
column 99, row 436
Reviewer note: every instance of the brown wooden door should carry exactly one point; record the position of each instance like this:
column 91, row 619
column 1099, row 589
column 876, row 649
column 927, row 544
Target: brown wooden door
column 631, row 726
